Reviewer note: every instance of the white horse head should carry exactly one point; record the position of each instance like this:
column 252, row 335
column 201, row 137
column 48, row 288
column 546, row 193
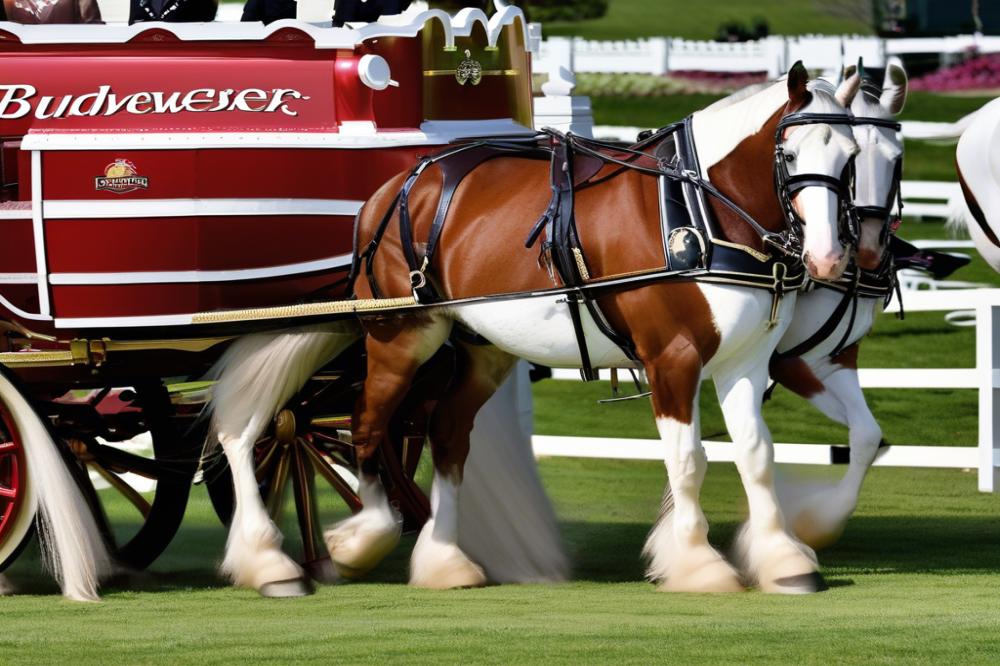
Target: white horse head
column 820, row 149
column 881, row 149
column 813, row 152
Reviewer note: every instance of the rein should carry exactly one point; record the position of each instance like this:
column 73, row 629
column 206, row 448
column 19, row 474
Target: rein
column 787, row 185
column 784, row 243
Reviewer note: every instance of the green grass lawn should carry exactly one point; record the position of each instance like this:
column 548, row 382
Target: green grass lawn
column 924, row 160
column 657, row 111
column 629, row 19
column 914, row 579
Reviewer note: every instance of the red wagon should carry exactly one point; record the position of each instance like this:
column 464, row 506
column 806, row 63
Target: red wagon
column 153, row 175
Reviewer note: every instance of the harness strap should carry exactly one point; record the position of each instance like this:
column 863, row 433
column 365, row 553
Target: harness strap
column 455, row 164
column 828, row 327
column 573, row 301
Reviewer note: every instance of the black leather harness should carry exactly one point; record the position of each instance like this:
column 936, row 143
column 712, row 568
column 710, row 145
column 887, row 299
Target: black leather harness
column 693, row 247
column 857, row 283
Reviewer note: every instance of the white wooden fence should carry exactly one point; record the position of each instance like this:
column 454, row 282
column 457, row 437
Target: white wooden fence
column 773, row 55
column 984, row 378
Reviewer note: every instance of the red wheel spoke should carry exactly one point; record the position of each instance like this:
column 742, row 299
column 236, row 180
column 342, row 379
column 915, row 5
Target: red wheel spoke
column 10, row 493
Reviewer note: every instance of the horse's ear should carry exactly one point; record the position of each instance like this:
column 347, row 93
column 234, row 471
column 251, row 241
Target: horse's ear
column 848, row 88
column 894, row 87
column 798, row 77
column 847, row 73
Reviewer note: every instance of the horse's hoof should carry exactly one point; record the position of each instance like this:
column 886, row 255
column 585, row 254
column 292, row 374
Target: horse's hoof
column 284, row 589
column 806, row 583
column 322, row 571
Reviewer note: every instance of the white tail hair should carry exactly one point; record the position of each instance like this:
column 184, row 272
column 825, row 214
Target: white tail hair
column 944, row 132
column 505, row 520
column 72, row 546
column 959, row 216
column 261, row 372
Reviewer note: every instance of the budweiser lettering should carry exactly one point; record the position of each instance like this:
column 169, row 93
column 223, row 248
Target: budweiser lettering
column 18, row 101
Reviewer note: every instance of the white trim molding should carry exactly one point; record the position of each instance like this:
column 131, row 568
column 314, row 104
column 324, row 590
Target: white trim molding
column 71, row 209
column 16, row 213
column 38, row 231
column 431, row 133
column 124, row 322
column 171, row 277
column 18, row 278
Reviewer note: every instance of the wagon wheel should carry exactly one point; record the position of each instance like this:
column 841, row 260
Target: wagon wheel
column 305, row 443
column 172, row 466
column 17, row 506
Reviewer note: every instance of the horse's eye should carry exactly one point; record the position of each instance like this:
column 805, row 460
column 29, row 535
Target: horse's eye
column 789, row 157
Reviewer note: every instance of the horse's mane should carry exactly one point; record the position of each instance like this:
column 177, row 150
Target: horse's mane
column 723, row 125
column 741, row 94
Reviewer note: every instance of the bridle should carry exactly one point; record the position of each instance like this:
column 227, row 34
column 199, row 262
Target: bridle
column 787, row 185
column 891, row 212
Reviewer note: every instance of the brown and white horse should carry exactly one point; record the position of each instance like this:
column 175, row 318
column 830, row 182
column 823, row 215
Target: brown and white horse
column 681, row 331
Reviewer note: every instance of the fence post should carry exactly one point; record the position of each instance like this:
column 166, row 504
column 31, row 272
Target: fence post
column 560, row 53
column 988, row 367
column 660, row 58
column 776, row 48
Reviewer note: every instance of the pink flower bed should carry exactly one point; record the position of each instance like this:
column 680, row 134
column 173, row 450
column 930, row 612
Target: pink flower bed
column 718, row 81
column 977, row 73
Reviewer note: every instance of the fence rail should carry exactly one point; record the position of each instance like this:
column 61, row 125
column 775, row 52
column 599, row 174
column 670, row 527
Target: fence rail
column 772, row 55
column 984, row 377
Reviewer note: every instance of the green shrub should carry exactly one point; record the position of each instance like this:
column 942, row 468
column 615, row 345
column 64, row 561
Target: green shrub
column 737, row 31
column 564, row 10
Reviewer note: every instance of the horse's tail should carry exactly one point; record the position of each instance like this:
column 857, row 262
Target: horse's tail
column 959, row 215
column 72, row 546
column 259, row 373
column 944, row 132
column 506, row 522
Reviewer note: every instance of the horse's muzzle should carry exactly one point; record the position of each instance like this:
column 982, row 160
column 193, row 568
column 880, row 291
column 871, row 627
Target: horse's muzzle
column 828, row 267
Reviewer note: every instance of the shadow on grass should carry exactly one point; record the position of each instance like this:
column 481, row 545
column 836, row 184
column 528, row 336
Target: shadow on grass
column 902, row 544
column 609, row 553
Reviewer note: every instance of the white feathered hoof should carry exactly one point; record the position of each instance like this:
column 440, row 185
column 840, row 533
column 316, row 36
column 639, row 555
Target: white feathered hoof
column 807, row 583
column 701, row 569
column 442, row 566
column 269, row 571
column 359, row 543
column 779, row 564
column 817, row 532
column 285, row 589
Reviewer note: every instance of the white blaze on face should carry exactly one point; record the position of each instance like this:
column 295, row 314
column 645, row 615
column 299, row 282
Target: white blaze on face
column 820, row 150
column 879, row 148
column 822, row 248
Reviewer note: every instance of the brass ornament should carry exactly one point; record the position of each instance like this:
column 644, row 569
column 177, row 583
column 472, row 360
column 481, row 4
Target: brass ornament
column 469, row 71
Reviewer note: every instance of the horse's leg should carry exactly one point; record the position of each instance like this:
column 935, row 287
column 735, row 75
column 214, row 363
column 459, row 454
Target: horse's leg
column 817, row 513
column 437, row 561
column 253, row 549
column 396, row 349
column 680, row 557
column 770, row 556
column 357, row 544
